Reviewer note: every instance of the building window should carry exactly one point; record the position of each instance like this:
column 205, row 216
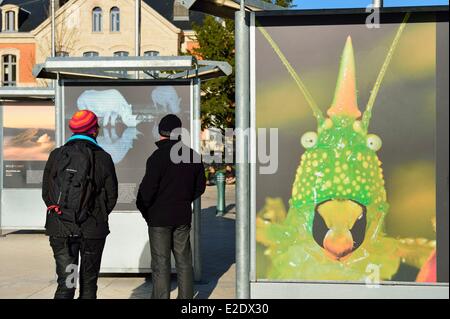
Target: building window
column 121, row 53
column 90, row 53
column 115, row 19
column 9, row 68
column 97, row 19
column 151, row 53
column 180, row 13
column 10, row 21
column 62, row 54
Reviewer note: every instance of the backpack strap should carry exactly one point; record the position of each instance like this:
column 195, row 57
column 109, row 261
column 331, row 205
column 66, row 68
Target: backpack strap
column 87, row 196
column 83, row 137
column 53, row 170
column 56, row 208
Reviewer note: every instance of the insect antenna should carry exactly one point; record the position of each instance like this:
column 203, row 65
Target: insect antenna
column 309, row 99
column 373, row 95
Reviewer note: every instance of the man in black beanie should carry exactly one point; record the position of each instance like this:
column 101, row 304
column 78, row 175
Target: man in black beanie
column 165, row 196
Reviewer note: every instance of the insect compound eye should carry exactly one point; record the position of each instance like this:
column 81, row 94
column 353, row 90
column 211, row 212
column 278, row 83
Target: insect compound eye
column 309, row 139
column 373, row 142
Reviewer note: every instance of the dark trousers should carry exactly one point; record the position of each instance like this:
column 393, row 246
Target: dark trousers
column 66, row 252
column 163, row 240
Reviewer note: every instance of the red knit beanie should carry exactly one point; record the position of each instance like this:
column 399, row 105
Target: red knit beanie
column 83, row 121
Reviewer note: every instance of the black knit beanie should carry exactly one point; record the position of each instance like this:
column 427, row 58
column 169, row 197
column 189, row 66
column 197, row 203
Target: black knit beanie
column 168, row 124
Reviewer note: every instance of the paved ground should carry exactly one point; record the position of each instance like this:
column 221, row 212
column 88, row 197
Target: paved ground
column 27, row 266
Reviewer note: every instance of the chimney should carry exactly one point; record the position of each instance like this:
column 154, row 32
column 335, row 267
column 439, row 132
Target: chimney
column 59, row 3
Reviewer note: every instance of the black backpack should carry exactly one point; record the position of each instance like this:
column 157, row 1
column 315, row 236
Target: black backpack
column 72, row 184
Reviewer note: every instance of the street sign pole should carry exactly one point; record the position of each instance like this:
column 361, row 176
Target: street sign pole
column 196, row 131
column 242, row 34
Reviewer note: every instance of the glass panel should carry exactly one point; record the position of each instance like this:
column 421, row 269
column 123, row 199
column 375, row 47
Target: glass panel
column 151, row 53
column 13, row 73
column 9, row 70
column 10, row 21
column 97, row 20
column 115, row 19
column 90, row 53
column 121, row 53
column 62, row 54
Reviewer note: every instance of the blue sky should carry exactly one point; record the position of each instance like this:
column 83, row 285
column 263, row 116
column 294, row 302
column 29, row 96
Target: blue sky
column 319, row 4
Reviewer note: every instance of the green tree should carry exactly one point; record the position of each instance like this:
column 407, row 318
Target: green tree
column 282, row 3
column 216, row 42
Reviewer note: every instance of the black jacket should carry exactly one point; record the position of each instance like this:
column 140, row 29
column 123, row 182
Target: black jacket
column 168, row 188
column 96, row 226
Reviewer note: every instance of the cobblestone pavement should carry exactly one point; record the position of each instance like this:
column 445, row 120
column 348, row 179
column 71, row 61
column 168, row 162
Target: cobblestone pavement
column 27, row 266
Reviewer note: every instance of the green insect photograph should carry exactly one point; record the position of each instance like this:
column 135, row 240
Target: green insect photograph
column 354, row 196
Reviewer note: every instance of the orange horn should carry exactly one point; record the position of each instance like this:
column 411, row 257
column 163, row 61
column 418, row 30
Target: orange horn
column 345, row 100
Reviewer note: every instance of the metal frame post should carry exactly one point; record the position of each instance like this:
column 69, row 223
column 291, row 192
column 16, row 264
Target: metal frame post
column 52, row 4
column 195, row 131
column 242, row 34
column 59, row 121
column 377, row 3
column 55, row 83
column 1, row 165
column 138, row 29
column 137, row 43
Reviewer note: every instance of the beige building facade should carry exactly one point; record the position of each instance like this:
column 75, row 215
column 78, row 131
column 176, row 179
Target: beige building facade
column 87, row 28
column 78, row 32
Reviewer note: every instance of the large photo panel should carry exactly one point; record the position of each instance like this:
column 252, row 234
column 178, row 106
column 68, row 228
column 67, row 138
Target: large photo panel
column 129, row 114
column 28, row 139
column 354, row 196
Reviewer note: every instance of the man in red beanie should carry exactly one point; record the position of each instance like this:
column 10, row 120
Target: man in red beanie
column 80, row 190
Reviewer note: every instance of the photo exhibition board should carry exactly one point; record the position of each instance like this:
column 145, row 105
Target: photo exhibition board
column 129, row 113
column 28, row 139
column 353, row 198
